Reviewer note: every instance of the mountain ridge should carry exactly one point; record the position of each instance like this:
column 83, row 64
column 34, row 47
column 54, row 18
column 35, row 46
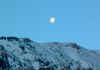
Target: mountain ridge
column 25, row 54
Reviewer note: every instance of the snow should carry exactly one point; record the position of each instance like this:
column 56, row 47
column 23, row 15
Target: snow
column 36, row 65
column 71, row 53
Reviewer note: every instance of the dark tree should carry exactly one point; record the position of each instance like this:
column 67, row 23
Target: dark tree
column 12, row 38
column 2, row 38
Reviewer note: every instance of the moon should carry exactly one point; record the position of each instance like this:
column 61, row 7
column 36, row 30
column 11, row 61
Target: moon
column 52, row 20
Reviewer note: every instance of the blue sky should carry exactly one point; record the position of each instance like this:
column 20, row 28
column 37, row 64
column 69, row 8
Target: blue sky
column 76, row 20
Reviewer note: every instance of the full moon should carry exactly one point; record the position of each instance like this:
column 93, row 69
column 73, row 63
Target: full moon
column 52, row 20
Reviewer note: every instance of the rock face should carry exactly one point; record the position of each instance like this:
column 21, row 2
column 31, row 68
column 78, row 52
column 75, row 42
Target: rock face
column 25, row 54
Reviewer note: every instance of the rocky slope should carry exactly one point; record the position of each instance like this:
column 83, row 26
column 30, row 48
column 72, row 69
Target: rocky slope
column 25, row 54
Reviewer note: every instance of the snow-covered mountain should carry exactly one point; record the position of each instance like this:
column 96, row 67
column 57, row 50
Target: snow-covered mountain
column 25, row 54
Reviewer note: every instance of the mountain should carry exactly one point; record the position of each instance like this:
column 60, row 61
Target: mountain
column 25, row 54
column 98, row 51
